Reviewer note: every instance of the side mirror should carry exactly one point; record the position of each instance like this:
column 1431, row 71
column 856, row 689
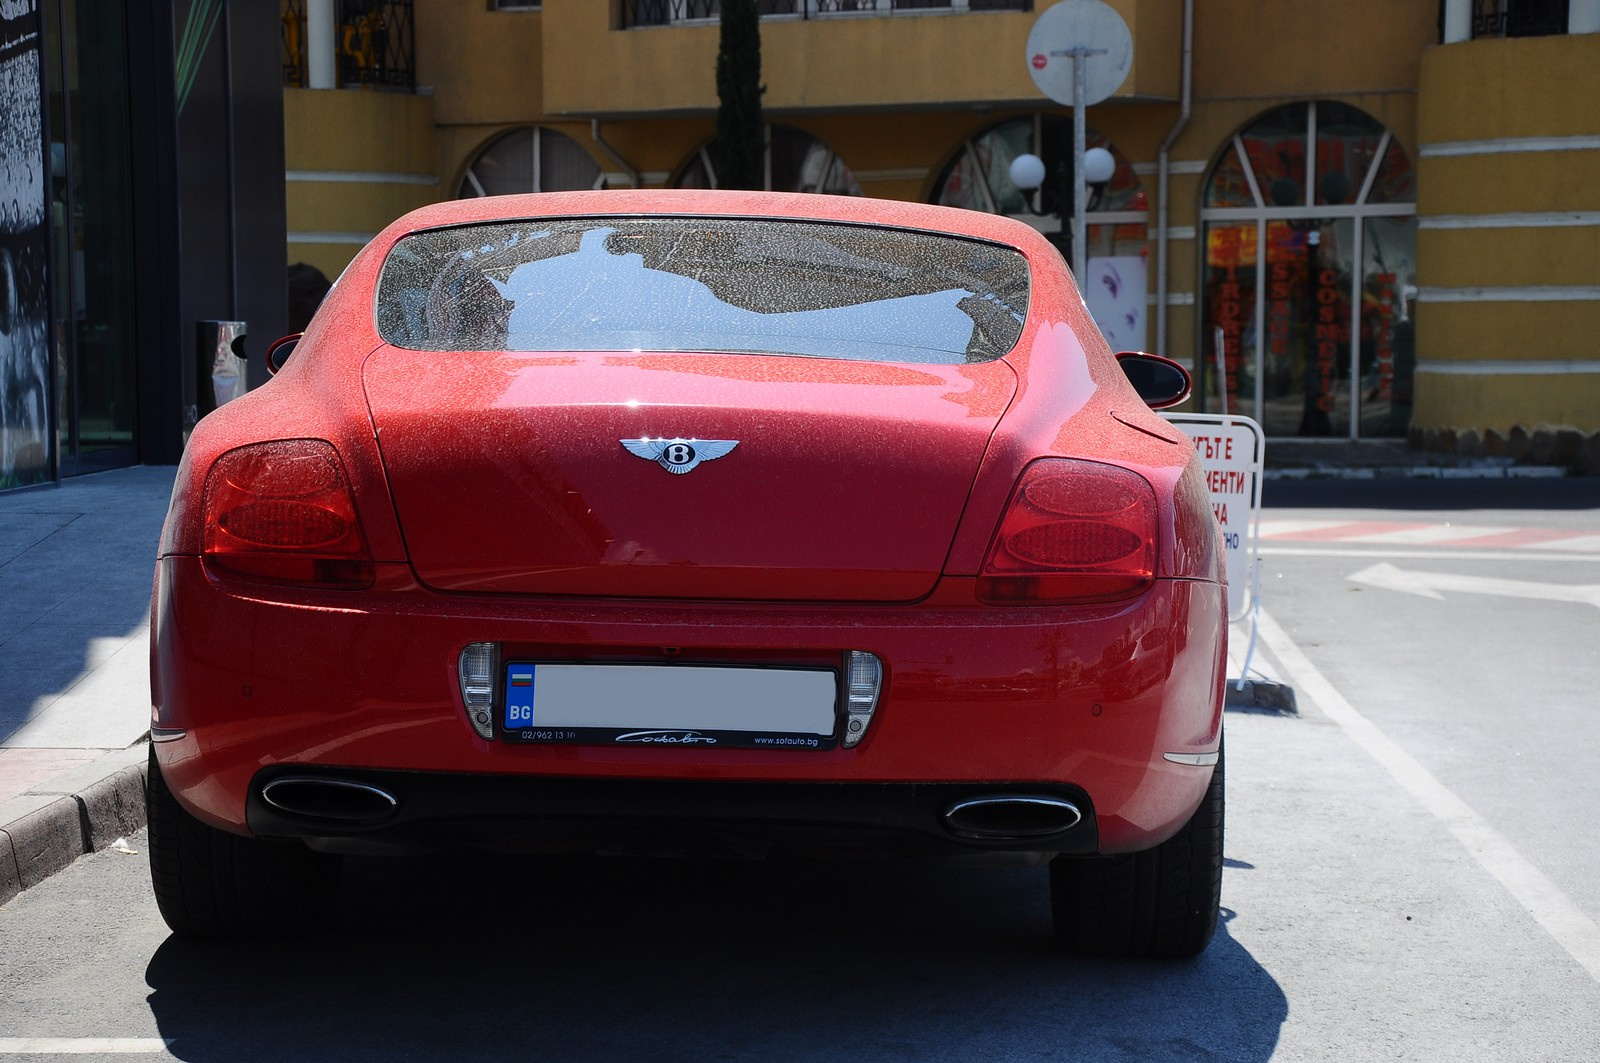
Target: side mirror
column 1160, row 382
column 280, row 349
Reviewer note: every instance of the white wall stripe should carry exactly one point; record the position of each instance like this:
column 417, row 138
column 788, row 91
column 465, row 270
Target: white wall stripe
column 1508, row 368
column 904, row 173
column 1533, row 293
column 617, row 179
column 1551, row 220
column 1180, row 232
column 363, row 177
column 1185, row 166
column 1508, row 145
column 1552, row 909
column 329, row 238
column 1173, row 299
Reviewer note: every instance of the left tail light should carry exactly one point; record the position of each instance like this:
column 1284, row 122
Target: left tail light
column 283, row 512
column 1074, row 531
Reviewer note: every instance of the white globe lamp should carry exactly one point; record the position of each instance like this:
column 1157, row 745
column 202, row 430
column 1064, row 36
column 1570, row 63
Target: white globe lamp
column 1027, row 172
column 1098, row 166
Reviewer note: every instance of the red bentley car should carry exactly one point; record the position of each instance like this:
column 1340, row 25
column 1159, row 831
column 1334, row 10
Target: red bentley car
column 695, row 521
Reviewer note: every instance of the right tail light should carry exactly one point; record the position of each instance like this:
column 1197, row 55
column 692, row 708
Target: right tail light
column 1074, row 531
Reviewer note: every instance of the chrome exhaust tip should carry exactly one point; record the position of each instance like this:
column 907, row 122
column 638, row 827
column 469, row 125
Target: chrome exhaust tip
column 342, row 801
column 1011, row 817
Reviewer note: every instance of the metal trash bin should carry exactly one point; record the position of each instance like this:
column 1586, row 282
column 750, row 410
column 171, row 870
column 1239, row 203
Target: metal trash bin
column 219, row 370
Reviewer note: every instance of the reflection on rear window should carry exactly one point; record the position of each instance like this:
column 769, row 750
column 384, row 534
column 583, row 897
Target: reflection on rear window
column 704, row 284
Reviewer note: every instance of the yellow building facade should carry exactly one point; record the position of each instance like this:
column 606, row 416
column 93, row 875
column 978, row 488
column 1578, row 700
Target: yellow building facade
column 1348, row 228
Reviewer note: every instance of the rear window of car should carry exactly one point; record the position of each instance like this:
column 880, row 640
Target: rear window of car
column 809, row 289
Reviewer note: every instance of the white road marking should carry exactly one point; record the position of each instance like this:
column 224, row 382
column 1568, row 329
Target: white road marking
column 1279, row 527
column 83, row 1046
column 1429, row 584
column 1441, row 554
column 1552, row 909
column 1440, row 534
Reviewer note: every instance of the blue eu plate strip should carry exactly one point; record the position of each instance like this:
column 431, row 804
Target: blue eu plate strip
column 519, row 695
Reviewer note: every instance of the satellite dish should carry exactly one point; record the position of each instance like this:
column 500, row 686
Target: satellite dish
column 1079, row 24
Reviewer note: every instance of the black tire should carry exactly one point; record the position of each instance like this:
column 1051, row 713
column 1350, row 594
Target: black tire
column 212, row 884
column 1159, row 903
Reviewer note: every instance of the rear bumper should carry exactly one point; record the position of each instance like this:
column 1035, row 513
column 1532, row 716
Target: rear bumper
column 433, row 811
column 1087, row 698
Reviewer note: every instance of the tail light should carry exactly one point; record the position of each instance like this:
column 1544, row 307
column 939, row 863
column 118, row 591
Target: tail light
column 283, row 512
column 1074, row 531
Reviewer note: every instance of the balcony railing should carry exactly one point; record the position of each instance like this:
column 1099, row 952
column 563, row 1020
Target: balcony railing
column 673, row 12
column 373, row 44
column 294, row 42
column 376, row 41
column 1519, row 18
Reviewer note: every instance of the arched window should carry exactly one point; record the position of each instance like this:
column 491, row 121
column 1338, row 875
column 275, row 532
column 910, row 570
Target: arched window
column 795, row 161
column 1117, row 285
column 530, row 160
column 1309, row 275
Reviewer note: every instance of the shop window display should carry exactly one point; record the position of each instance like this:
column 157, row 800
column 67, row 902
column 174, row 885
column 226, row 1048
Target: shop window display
column 1309, row 286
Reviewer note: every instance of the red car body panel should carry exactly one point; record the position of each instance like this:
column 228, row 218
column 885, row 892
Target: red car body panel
column 971, row 696
column 873, row 508
column 596, row 520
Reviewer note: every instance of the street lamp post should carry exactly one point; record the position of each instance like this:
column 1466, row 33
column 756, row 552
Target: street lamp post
column 1092, row 170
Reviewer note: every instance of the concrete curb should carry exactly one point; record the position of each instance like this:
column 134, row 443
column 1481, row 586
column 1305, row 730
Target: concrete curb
column 1416, row 472
column 49, row 839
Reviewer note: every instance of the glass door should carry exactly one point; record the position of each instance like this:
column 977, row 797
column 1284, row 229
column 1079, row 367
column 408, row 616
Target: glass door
column 91, row 212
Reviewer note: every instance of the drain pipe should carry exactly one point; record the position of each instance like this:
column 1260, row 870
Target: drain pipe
column 1163, row 181
column 611, row 153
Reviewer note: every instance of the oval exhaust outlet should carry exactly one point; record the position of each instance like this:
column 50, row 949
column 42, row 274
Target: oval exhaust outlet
column 342, row 801
column 1012, row 816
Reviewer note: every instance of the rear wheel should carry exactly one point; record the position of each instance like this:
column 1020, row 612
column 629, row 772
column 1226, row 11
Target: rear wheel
column 1160, row 903
column 212, row 884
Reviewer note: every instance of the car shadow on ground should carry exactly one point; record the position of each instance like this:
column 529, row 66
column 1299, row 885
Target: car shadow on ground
column 574, row 959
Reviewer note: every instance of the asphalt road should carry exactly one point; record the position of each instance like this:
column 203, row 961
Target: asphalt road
column 1411, row 876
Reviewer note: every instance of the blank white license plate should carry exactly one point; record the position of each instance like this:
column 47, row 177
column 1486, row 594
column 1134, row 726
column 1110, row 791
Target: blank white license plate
column 683, row 706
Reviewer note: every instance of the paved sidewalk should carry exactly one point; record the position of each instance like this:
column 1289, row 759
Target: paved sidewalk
column 75, row 568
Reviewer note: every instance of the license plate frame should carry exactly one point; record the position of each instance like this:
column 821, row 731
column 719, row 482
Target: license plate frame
column 678, row 706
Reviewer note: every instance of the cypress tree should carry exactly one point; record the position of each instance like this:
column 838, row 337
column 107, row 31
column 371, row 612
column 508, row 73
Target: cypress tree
column 739, row 148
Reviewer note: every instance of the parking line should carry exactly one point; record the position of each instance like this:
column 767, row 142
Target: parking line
column 83, row 1046
column 1550, row 907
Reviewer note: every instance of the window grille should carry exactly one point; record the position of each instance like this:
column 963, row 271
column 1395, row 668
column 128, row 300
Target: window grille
column 294, row 42
column 1519, row 18
column 376, row 44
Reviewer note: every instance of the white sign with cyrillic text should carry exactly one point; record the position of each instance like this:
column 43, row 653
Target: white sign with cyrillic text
column 1231, row 452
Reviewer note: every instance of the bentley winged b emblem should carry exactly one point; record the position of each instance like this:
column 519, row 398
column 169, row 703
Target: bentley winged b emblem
column 679, row 456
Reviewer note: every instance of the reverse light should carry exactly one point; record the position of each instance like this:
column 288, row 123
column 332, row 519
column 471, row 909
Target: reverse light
column 479, row 663
column 863, row 681
column 283, row 512
column 1074, row 531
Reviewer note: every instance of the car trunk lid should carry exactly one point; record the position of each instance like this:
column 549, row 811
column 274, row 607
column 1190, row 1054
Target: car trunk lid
column 512, row 472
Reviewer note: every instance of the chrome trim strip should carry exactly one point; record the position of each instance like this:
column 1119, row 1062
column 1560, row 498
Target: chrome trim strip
column 313, row 780
column 167, row 734
column 1003, row 801
column 1195, row 760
